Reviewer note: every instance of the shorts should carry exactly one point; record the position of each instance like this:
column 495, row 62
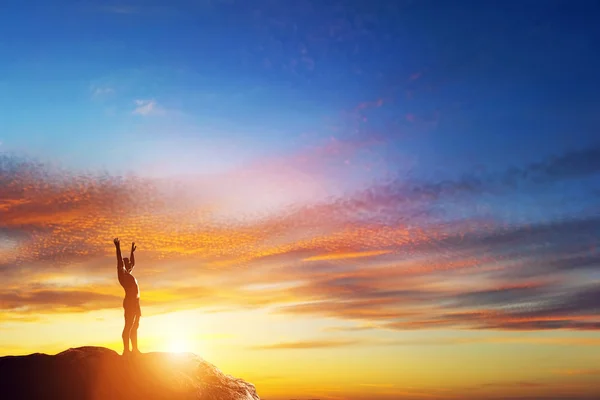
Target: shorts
column 132, row 307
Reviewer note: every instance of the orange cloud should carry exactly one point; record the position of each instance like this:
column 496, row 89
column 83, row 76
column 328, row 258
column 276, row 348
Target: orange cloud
column 323, row 258
column 304, row 345
column 341, row 256
column 578, row 372
column 518, row 384
column 56, row 301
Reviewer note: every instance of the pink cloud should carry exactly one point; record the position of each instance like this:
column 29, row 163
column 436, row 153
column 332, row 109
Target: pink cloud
column 415, row 76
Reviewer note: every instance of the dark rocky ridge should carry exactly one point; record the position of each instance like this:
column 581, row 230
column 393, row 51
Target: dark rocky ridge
column 97, row 373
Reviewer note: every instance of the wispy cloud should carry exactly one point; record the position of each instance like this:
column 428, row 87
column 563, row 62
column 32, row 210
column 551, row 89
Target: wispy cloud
column 304, row 345
column 101, row 91
column 358, row 328
column 148, row 107
column 403, row 192
column 56, row 300
column 343, row 255
column 578, row 372
column 415, row 76
column 518, row 384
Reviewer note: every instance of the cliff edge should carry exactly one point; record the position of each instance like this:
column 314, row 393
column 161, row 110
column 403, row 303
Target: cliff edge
column 97, row 373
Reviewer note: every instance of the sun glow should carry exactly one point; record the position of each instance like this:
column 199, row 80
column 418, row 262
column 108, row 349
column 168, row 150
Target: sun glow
column 179, row 345
column 175, row 332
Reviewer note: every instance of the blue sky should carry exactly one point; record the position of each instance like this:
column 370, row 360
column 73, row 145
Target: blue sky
column 201, row 87
column 525, row 82
column 218, row 84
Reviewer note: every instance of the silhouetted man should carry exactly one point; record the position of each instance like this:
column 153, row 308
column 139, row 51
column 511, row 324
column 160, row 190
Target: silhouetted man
column 131, row 303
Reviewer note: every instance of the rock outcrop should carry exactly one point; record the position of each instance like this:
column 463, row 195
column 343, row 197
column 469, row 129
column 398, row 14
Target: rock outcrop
column 97, row 373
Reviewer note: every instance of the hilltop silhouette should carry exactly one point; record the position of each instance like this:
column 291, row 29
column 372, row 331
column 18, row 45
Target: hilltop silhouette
column 97, row 373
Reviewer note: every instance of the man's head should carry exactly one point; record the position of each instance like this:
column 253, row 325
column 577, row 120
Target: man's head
column 128, row 266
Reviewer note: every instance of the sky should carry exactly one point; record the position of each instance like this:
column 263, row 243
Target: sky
column 330, row 199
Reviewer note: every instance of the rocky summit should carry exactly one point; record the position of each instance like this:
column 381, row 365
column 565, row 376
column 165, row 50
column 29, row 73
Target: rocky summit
column 98, row 373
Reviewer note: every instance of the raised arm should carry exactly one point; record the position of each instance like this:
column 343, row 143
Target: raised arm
column 119, row 258
column 132, row 257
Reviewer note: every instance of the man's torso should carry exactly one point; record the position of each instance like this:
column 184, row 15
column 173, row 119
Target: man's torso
column 129, row 283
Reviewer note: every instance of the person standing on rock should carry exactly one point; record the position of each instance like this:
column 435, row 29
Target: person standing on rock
column 131, row 303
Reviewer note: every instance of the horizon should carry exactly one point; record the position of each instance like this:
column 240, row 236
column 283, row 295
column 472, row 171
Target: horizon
column 341, row 200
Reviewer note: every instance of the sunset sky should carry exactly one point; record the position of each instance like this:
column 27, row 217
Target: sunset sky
column 361, row 200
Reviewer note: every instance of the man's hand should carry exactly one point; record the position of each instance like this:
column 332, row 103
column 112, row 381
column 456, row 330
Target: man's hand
column 133, row 247
column 119, row 258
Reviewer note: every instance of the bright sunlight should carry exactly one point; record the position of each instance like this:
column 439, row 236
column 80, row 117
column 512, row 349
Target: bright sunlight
column 179, row 345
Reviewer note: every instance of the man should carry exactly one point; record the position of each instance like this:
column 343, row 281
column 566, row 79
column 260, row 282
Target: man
column 131, row 303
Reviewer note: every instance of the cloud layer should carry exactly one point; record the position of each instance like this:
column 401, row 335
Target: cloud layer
column 393, row 256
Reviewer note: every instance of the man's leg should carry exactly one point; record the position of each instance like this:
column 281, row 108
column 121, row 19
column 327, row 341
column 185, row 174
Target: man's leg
column 133, row 334
column 129, row 316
